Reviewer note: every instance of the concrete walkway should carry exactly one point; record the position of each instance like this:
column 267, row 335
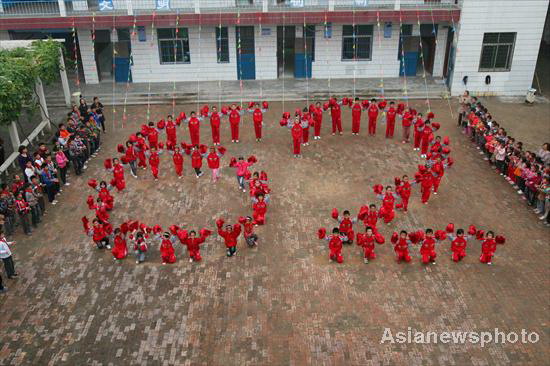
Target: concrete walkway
column 272, row 90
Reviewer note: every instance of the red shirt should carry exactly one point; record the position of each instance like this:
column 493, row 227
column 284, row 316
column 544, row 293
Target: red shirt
column 234, row 117
column 407, row 119
column 390, row 115
column 356, row 111
column 213, row 160
column 215, row 120
column 257, row 116
column 230, row 237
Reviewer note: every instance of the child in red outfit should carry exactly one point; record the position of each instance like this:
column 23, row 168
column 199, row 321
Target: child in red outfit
column 167, row 253
column 427, row 249
column 249, row 236
column 154, row 161
column 488, row 248
column 193, row 243
column 259, row 208
column 346, row 226
column 401, row 247
column 335, row 245
column 177, row 158
column 258, row 120
column 458, row 245
column 356, row 109
column 404, row 192
column 317, row 113
column 372, row 112
column 367, row 241
column 230, row 236
column 120, row 248
column 391, row 113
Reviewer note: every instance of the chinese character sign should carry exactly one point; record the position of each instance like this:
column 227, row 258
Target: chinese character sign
column 163, row 4
column 106, row 5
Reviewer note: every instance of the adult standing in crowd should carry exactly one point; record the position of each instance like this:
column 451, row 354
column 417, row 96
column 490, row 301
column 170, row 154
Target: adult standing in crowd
column 463, row 100
column 5, row 254
column 98, row 106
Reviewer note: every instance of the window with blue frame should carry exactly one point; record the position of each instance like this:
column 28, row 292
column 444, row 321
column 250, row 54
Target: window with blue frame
column 173, row 45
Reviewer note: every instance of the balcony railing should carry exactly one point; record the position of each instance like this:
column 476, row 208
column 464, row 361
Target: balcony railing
column 48, row 8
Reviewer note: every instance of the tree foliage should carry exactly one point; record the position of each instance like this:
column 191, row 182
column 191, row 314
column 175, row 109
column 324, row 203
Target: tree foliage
column 19, row 69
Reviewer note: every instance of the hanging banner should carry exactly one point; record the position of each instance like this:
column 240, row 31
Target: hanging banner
column 163, row 4
column 106, row 5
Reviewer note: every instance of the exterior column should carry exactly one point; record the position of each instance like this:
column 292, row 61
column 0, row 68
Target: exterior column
column 265, row 6
column 197, row 6
column 64, row 79
column 330, row 5
column 129, row 7
column 14, row 136
column 42, row 100
column 397, row 5
column 62, row 9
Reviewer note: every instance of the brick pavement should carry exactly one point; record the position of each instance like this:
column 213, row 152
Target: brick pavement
column 282, row 303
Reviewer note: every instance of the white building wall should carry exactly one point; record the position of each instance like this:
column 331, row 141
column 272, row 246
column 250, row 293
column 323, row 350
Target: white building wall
column 441, row 43
column 481, row 16
column 328, row 56
column 203, row 66
column 89, row 65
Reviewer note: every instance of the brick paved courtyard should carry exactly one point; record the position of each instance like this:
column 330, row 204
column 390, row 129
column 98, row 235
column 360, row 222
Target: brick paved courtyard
column 283, row 303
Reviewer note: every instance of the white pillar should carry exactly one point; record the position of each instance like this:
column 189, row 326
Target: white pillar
column 14, row 136
column 265, row 6
column 397, row 5
column 62, row 9
column 42, row 100
column 197, row 6
column 130, row 7
column 88, row 55
column 64, row 79
column 330, row 5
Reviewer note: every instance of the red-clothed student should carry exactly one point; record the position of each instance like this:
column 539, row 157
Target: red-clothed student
column 130, row 155
column 118, row 175
column 196, row 160
column 388, row 203
column 258, row 120
column 213, row 160
column 193, row 243
column 296, row 132
column 438, row 170
column 177, row 158
column 194, row 124
column 367, row 241
column 317, row 113
column 426, row 137
column 141, row 147
column 425, row 178
column 427, row 249
column 171, row 128
column 249, row 236
column 406, row 123
column 101, row 211
column 336, row 114
column 306, row 121
column 401, row 247
column 154, row 161
column 260, row 208
column 391, row 113
column 230, row 236
column 98, row 234
column 356, row 109
column 167, row 252
column 458, row 245
column 120, row 248
column 335, row 245
column 404, row 192
column 371, row 217
column 372, row 112
column 418, row 131
column 105, row 195
column 234, row 121
column 152, row 135
column 215, row 122
column 346, row 225
column 488, row 248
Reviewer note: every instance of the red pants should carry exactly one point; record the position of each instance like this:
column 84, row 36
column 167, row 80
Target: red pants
column 369, row 253
column 195, row 137
column 350, row 234
column 336, row 124
column 403, row 255
column 234, row 131
column 168, row 258
column 305, row 135
column 258, row 130
column 390, row 127
column 179, row 169
column 425, row 193
column 405, row 203
column 336, row 255
column 215, row 135
column 296, row 144
column 486, row 257
column 389, row 216
column 424, row 146
column 355, row 125
column 406, row 133
column 120, row 184
column 428, row 257
column 195, row 254
column 437, row 181
column 171, row 139
column 142, row 163
column 153, row 144
column 458, row 255
column 259, row 218
column 372, row 126
column 417, row 138
column 155, row 171
column 317, row 128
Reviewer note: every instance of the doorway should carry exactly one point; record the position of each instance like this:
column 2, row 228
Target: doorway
column 246, row 62
column 103, row 52
column 123, row 51
column 428, row 34
column 286, row 48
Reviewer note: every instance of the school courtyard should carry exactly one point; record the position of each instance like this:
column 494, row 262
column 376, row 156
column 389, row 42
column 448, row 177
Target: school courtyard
column 283, row 303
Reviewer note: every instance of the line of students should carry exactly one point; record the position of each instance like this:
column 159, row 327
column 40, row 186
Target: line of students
column 403, row 241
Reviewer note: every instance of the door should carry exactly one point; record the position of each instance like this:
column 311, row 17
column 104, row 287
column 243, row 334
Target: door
column 246, row 62
column 304, row 52
column 407, row 53
column 286, row 44
column 103, row 54
column 123, row 51
column 450, row 35
column 428, row 34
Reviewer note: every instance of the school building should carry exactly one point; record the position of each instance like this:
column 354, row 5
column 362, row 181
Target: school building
column 486, row 46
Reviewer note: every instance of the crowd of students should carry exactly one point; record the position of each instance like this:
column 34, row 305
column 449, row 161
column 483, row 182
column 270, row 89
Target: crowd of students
column 527, row 171
column 43, row 172
column 142, row 150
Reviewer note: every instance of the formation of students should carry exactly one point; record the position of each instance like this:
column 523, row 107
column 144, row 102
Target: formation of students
column 527, row 171
column 403, row 242
column 142, row 150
